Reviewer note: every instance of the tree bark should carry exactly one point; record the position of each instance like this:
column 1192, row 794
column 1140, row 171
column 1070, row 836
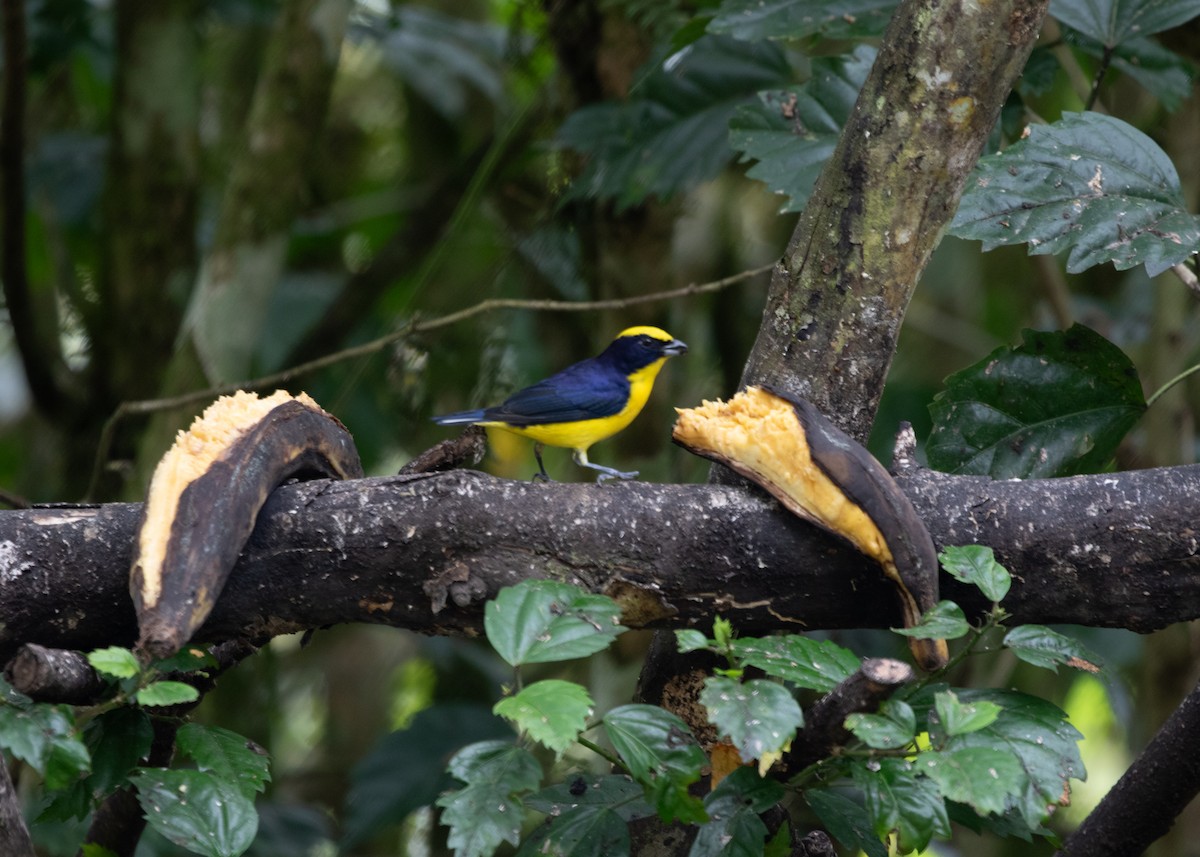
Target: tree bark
column 1114, row 550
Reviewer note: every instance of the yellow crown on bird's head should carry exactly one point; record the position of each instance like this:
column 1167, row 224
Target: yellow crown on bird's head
column 646, row 330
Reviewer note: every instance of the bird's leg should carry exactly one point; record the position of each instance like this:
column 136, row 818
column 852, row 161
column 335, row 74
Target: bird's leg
column 580, row 456
column 541, row 475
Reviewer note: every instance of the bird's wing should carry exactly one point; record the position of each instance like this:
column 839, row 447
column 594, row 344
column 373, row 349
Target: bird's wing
column 586, row 391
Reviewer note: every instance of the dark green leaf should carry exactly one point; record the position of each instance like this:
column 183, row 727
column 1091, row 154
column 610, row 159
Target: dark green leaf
column 818, row 665
column 197, row 810
column 587, row 831
column 689, row 640
column 489, row 810
column 406, row 769
column 792, row 132
column 760, row 717
column 672, row 131
column 1088, row 184
column 660, row 752
column 616, row 792
column 942, row 621
column 976, row 564
column 499, row 763
column 958, row 718
column 1057, row 405
column 552, row 712
column 229, row 756
column 846, row 820
column 166, row 693
column 1111, row 22
column 286, row 829
column 114, row 661
column 67, row 762
column 538, row 621
column 733, row 807
column 899, row 800
column 34, row 735
column 1163, row 73
column 794, row 19
column 1042, row 647
column 986, row 778
column 187, row 660
column 118, row 740
column 893, row 727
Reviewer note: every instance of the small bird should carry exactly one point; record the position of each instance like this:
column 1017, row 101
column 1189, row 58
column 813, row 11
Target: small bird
column 584, row 403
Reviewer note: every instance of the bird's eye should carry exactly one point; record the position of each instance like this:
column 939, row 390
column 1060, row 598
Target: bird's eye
column 646, row 340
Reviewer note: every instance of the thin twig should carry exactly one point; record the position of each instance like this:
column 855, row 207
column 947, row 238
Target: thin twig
column 1105, row 60
column 1187, row 276
column 1181, row 376
column 149, row 406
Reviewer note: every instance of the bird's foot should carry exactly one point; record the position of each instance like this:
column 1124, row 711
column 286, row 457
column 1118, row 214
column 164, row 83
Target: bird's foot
column 615, row 474
column 541, row 477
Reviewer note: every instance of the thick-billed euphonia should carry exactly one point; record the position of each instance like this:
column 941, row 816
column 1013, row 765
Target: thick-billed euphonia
column 584, row 403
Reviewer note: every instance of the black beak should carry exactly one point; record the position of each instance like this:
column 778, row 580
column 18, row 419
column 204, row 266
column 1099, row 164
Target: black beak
column 675, row 346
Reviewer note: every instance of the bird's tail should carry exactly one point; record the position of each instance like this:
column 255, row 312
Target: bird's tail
column 461, row 418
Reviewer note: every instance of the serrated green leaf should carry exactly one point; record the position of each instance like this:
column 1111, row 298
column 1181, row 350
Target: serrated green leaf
column 31, row 733
column 499, row 763
column 617, row 792
column 401, row 772
column 818, row 665
column 67, row 762
column 733, row 807
column 166, row 693
column 228, row 756
column 186, row 660
column 671, row 132
column 755, row 20
column 958, row 718
column 792, row 132
column 115, row 661
column 985, row 778
column 759, row 717
column 117, row 740
column 899, row 800
column 976, row 564
column 1043, row 647
column 1057, row 405
column 1036, row 733
column 893, row 727
column 480, row 818
column 846, row 820
column 661, row 753
column 1088, row 184
column 539, row 621
column 552, row 712
column 586, row 831
column 197, row 811
column 943, row 621
column 1112, row 22
column 689, row 640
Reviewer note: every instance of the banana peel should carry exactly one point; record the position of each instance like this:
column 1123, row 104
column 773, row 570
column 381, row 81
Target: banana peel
column 205, row 496
column 819, row 473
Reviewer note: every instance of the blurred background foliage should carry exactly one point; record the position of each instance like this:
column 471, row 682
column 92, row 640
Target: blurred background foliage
column 219, row 191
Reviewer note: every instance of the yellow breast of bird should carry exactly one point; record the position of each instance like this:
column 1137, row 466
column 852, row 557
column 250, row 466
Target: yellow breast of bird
column 583, row 433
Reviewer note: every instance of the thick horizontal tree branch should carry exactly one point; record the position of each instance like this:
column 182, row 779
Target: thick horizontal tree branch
column 424, row 552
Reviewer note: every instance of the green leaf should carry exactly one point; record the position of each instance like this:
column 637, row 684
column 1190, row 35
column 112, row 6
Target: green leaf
column 91, row 849
column 1057, row 405
column 489, row 810
column 1034, row 732
column 985, row 778
column 759, row 716
column 976, row 564
column 893, row 727
column 846, row 820
column 1163, row 73
column 67, row 762
column 187, row 660
column 943, row 621
column 689, row 640
column 118, row 740
column 197, row 810
column 1112, row 22
column 818, row 665
column 959, row 718
column 792, row 132
column 733, row 807
column 754, row 20
column 44, row 737
column 406, row 769
column 1088, row 184
column 586, row 831
column 1042, row 647
column 552, row 712
column 166, row 693
column 229, row 756
column 899, row 800
column 538, row 621
column 617, row 792
column 115, row 661
column 671, row 133
column 661, row 753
